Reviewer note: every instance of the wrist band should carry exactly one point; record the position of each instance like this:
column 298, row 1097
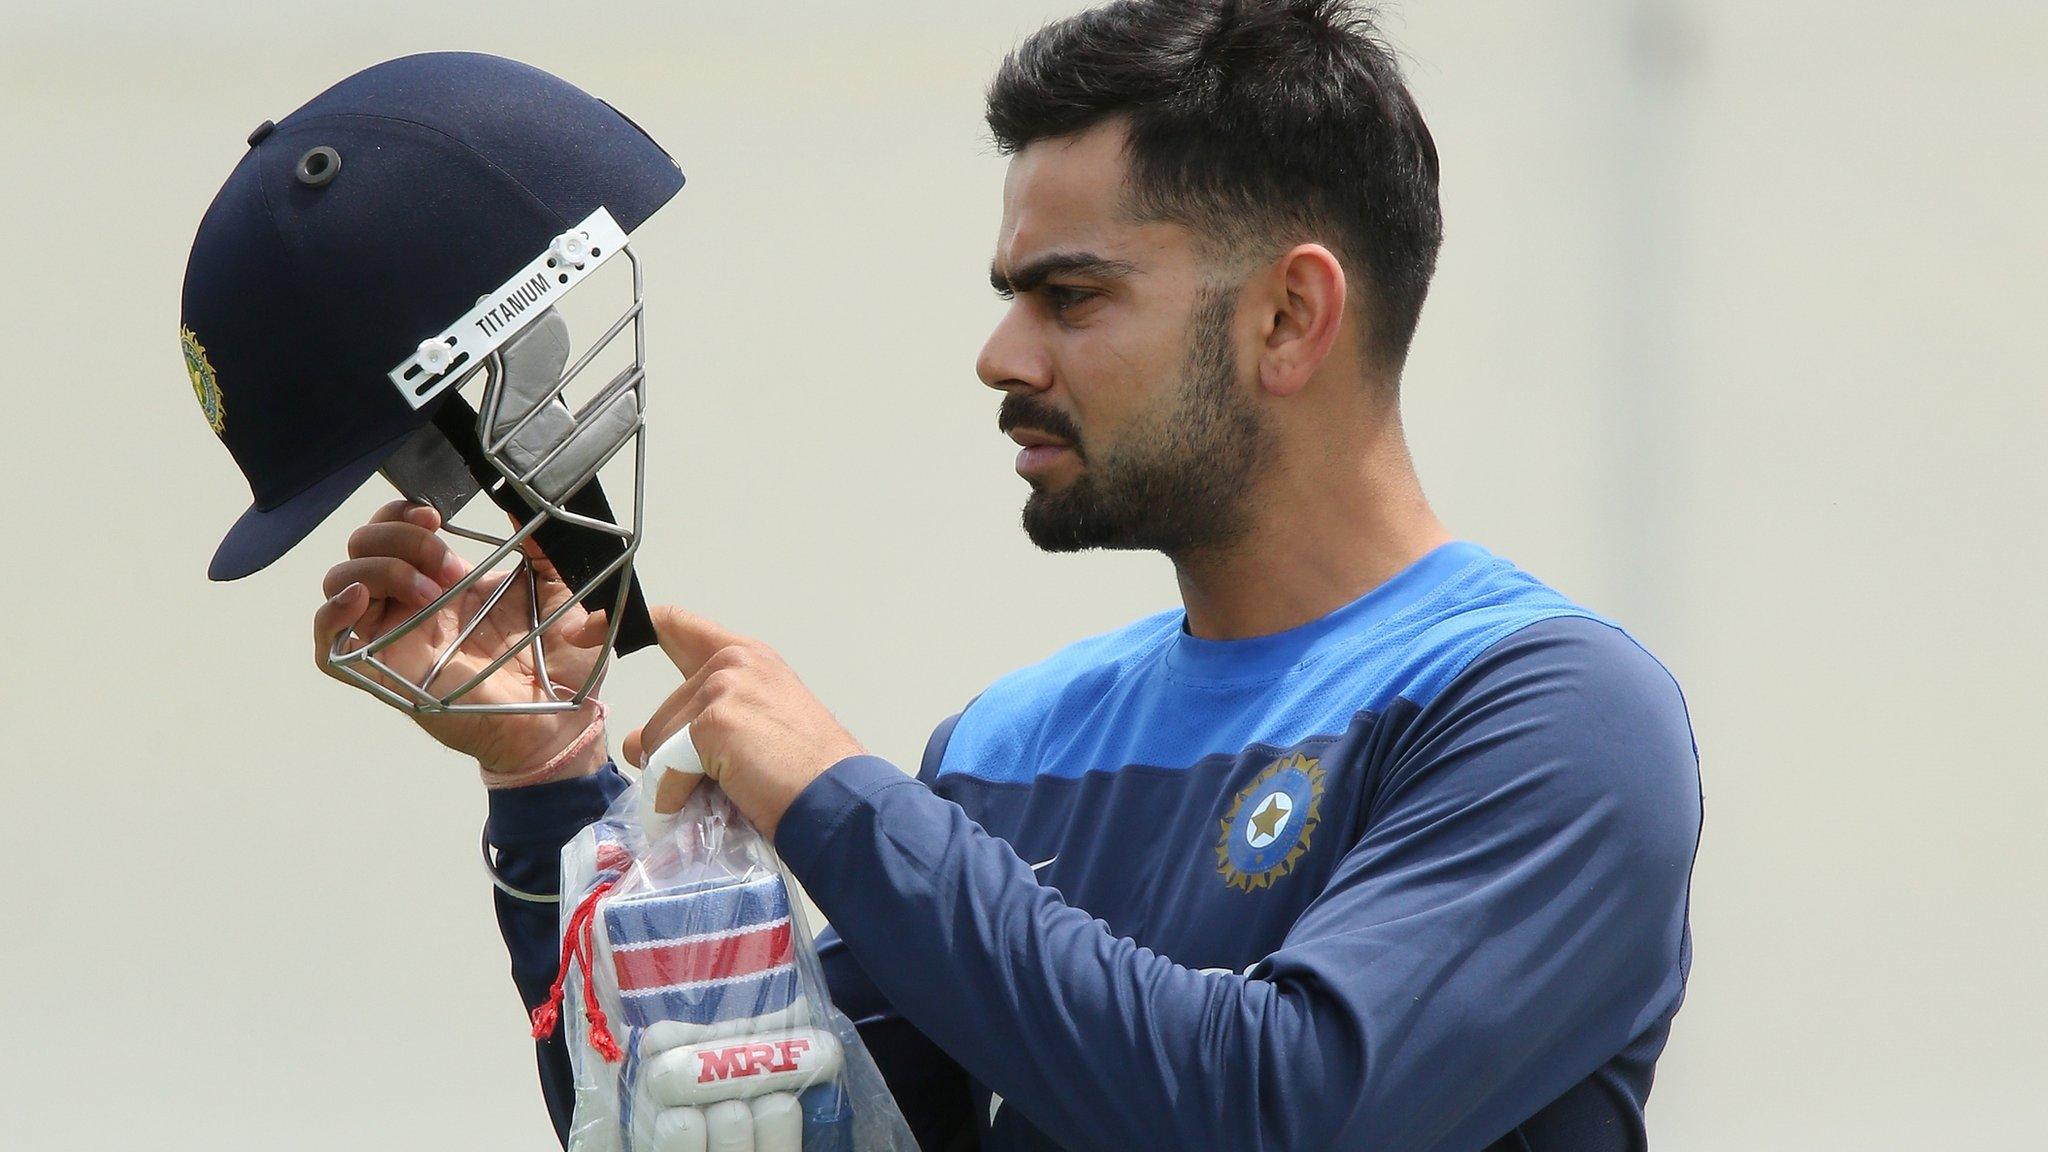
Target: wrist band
column 590, row 735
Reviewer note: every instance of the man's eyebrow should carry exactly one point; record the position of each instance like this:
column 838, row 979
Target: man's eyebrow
column 1036, row 272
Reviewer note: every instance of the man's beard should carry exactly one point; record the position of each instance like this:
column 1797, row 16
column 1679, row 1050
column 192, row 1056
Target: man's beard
column 1178, row 482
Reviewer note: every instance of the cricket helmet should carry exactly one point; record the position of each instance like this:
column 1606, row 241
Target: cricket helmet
column 403, row 236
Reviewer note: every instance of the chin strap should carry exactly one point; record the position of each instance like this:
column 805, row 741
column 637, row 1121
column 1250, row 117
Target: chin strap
column 578, row 553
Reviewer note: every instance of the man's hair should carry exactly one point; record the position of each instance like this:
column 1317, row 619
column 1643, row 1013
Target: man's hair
column 1254, row 123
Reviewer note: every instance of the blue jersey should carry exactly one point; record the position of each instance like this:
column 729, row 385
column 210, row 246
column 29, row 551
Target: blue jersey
column 1412, row 876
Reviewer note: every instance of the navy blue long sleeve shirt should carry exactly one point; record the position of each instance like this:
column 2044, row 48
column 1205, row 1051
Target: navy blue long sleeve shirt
column 1411, row 876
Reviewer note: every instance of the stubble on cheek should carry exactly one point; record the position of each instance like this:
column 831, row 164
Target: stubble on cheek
column 1176, row 476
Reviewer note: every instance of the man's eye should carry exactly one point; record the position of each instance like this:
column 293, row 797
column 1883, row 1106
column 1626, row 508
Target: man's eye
column 1062, row 299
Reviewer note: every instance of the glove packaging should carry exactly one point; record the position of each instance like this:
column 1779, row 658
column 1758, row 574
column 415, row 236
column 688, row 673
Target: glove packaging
column 695, row 1010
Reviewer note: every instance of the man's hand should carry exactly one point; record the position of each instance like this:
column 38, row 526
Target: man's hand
column 759, row 731
column 397, row 564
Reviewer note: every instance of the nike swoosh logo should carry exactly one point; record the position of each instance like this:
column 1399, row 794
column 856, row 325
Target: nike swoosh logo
column 1044, row 862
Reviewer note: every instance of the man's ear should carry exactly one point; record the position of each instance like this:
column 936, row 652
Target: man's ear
column 1306, row 293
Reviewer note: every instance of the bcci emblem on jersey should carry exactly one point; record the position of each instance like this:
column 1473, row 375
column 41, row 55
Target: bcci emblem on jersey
column 1269, row 824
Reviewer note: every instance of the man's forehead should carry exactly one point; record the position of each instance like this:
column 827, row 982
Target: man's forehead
column 1064, row 193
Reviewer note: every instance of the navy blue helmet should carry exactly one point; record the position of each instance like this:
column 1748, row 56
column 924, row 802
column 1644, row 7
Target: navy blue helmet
column 402, row 234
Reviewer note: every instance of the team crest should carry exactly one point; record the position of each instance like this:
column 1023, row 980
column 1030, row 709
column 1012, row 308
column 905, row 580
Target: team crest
column 1269, row 824
column 205, row 384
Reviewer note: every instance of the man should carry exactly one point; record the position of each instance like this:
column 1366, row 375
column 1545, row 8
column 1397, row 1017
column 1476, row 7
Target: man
column 1376, row 842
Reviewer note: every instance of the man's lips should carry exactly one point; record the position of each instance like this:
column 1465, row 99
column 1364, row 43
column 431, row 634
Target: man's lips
column 1037, row 458
column 1033, row 438
column 1041, row 450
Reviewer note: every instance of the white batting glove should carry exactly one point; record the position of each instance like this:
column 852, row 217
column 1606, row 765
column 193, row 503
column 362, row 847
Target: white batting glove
column 722, row 1038
column 730, row 1086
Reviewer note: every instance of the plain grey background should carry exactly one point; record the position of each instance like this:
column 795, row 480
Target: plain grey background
column 1736, row 337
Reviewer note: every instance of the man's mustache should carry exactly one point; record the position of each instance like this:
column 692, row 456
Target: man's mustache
column 1025, row 411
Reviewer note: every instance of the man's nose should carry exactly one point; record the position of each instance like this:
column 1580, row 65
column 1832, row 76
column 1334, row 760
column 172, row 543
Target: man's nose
column 1011, row 359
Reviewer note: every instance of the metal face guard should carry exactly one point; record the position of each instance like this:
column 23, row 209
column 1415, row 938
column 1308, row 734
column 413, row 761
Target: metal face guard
column 538, row 460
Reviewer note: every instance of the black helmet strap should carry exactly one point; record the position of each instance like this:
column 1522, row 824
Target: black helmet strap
column 578, row 553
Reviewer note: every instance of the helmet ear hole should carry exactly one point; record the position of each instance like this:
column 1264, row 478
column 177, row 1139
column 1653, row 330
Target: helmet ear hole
column 318, row 167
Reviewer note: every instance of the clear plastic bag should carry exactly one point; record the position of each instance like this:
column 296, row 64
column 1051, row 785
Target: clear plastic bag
column 695, row 1009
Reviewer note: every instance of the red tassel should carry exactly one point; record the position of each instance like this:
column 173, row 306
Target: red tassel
column 547, row 1016
column 601, row 1036
column 549, row 1013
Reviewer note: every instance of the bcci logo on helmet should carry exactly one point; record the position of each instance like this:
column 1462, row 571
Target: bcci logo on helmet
column 205, row 384
column 1269, row 824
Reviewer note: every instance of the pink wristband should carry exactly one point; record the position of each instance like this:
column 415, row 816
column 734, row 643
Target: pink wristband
column 548, row 771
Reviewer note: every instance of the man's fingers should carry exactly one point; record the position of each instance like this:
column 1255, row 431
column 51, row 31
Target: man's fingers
column 682, row 706
column 420, row 514
column 413, row 544
column 666, row 722
column 334, row 618
column 588, row 632
column 554, row 593
column 543, row 567
column 384, row 577
column 701, row 650
column 394, row 510
column 672, row 769
column 673, row 791
column 689, row 639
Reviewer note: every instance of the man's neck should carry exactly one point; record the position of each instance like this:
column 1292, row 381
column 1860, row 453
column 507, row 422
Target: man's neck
column 1321, row 537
